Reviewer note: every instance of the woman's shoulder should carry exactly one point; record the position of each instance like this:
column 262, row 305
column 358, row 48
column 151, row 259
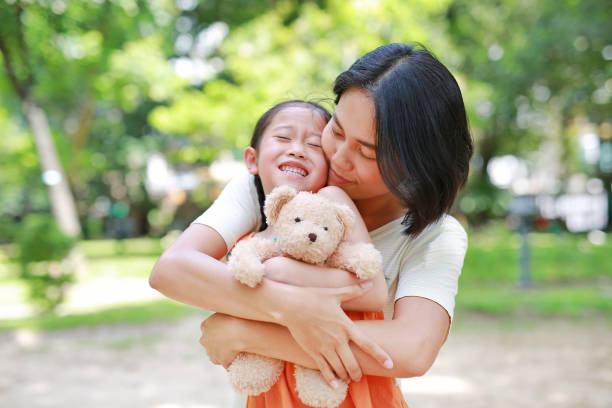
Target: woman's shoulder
column 447, row 233
column 447, row 223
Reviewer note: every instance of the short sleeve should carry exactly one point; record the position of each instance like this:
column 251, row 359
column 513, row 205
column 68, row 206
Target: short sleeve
column 235, row 212
column 432, row 268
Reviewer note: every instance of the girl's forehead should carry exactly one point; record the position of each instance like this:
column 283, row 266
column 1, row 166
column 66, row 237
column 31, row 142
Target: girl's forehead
column 298, row 116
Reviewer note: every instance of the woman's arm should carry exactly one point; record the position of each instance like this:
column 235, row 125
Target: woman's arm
column 413, row 339
column 188, row 272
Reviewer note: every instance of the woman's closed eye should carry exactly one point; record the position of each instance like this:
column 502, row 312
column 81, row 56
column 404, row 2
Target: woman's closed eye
column 367, row 152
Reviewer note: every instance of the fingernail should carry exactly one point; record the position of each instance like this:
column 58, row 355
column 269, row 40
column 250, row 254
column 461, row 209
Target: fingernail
column 334, row 384
column 388, row 363
column 366, row 285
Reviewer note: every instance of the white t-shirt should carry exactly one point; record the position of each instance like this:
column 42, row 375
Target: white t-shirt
column 427, row 266
column 235, row 212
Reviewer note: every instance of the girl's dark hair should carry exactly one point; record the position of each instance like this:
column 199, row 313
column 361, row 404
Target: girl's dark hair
column 261, row 126
column 423, row 144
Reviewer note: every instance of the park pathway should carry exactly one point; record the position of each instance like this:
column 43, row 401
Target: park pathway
column 485, row 363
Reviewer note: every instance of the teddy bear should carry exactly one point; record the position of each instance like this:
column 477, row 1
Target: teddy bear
column 312, row 229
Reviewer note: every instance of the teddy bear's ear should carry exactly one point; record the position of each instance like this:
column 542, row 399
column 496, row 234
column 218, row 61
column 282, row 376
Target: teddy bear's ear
column 347, row 218
column 275, row 201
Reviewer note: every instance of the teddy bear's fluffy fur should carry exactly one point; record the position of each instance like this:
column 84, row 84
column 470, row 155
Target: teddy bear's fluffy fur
column 309, row 228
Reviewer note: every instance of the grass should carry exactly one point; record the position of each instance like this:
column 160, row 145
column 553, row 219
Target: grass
column 121, row 266
column 493, row 258
column 562, row 301
column 571, row 278
column 131, row 313
column 108, row 248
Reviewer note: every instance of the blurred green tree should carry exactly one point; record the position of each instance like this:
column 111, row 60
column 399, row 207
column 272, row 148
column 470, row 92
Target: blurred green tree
column 532, row 68
column 293, row 50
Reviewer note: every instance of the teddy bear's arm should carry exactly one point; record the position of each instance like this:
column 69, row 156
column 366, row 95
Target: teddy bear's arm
column 246, row 259
column 360, row 258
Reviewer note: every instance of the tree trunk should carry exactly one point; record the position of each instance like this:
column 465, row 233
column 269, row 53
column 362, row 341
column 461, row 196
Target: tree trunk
column 63, row 206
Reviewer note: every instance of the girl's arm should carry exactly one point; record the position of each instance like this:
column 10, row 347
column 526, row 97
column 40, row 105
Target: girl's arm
column 290, row 271
column 293, row 272
column 413, row 339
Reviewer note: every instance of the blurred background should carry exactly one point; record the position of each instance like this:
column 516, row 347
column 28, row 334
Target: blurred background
column 121, row 121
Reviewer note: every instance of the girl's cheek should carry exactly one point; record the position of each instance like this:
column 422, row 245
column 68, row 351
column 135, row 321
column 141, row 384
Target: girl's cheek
column 328, row 145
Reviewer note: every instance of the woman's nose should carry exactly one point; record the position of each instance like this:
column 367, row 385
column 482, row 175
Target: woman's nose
column 341, row 159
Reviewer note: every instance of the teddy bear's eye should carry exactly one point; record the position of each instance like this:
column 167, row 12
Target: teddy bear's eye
column 297, row 219
column 325, row 228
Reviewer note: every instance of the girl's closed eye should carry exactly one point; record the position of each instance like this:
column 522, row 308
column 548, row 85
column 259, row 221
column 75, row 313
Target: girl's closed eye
column 282, row 138
column 314, row 142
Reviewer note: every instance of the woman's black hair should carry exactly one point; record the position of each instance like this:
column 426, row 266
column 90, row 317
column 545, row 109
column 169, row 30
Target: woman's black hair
column 423, row 144
column 261, row 126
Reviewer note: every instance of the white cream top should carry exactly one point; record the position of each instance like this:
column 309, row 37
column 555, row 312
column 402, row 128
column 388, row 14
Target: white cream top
column 427, row 266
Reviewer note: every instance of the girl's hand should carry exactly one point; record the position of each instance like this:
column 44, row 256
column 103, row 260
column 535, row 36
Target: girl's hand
column 320, row 326
column 219, row 335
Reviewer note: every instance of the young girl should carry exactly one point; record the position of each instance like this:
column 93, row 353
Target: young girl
column 286, row 149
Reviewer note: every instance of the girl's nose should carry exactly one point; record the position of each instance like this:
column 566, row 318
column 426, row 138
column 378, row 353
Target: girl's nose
column 297, row 150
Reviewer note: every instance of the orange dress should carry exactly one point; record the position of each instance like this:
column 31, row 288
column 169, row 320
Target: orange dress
column 370, row 392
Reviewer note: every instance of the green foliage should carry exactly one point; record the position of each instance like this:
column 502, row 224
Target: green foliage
column 105, row 73
column 293, row 50
column 43, row 251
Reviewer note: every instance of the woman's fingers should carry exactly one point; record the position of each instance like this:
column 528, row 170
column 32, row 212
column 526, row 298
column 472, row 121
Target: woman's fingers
column 326, row 371
column 371, row 348
column 350, row 362
column 336, row 365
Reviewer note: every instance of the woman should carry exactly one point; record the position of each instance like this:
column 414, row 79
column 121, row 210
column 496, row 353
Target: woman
column 399, row 145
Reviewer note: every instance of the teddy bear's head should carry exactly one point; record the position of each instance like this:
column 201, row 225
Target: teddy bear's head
column 307, row 227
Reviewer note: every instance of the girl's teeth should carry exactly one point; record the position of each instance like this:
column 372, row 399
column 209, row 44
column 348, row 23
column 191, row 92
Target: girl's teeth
column 293, row 170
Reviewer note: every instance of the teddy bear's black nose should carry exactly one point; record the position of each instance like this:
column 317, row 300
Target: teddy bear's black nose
column 312, row 237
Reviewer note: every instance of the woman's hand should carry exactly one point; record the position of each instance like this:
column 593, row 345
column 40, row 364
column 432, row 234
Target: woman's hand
column 319, row 325
column 219, row 338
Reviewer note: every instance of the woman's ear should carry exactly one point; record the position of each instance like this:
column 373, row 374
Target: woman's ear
column 250, row 159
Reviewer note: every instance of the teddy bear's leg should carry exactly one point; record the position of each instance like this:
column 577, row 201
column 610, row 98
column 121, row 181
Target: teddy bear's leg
column 314, row 391
column 252, row 374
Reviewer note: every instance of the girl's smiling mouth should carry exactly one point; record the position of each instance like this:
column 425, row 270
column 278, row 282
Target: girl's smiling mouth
column 294, row 168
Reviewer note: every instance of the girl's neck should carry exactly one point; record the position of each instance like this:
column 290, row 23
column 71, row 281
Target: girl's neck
column 380, row 210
